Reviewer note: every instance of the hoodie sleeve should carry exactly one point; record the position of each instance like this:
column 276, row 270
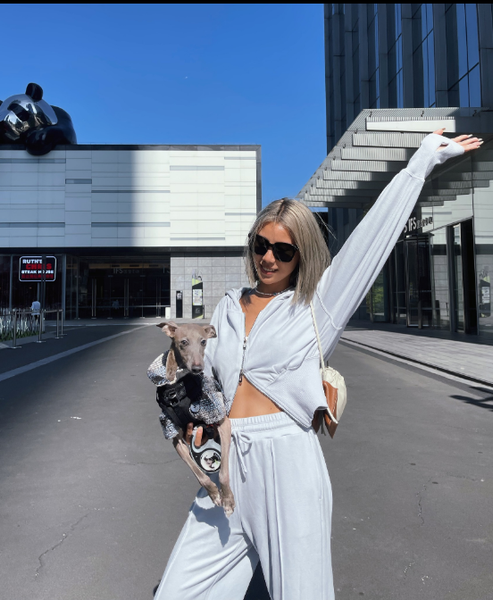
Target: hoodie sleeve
column 352, row 272
column 211, row 347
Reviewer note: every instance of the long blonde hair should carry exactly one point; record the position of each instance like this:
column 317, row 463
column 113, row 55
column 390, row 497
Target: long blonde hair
column 305, row 232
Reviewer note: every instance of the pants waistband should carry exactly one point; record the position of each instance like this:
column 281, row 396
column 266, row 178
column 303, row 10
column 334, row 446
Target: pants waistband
column 264, row 423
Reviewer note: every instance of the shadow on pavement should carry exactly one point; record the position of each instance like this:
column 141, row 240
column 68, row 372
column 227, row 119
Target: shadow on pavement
column 483, row 403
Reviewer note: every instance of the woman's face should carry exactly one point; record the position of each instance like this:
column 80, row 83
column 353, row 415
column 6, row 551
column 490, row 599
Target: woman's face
column 273, row 274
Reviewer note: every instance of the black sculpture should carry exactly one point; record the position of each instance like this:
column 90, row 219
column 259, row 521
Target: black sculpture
column 28, row 119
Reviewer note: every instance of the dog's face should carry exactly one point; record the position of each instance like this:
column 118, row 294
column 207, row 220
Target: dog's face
column 188, row 343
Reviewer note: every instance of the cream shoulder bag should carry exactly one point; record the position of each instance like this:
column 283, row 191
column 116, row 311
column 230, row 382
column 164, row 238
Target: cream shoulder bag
column 334, row 389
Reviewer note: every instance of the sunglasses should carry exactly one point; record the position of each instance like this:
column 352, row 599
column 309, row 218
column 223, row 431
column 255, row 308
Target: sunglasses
column 281, row 251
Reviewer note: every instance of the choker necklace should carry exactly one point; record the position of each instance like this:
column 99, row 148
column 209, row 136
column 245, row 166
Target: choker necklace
column 269, row 294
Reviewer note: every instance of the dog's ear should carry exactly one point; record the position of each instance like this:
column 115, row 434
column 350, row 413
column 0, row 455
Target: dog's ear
column 169, row 328
column 210, row 331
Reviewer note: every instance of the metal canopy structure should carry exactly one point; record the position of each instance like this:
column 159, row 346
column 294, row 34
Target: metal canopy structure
column 380, row 142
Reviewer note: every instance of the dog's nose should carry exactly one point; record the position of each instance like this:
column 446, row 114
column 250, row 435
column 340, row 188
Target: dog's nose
column 196, row 369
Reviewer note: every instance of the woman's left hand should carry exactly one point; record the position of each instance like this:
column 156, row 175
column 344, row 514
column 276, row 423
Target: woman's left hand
column 468, row 142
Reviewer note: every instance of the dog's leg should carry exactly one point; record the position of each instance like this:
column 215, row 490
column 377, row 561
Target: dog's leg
column 227, row 497
column 204, row 480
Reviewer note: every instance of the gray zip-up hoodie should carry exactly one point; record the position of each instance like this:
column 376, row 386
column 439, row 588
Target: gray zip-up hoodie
column 280, row 357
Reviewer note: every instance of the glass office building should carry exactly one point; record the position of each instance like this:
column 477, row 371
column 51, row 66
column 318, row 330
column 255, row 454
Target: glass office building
column 393, row 73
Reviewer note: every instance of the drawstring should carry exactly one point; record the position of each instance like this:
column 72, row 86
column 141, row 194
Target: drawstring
column 243, row 443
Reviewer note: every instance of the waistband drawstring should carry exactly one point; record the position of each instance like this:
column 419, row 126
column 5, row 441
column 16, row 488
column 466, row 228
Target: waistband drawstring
column 243, row 444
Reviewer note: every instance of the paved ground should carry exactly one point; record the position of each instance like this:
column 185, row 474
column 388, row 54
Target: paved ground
column 455, row 355
column 92, row 498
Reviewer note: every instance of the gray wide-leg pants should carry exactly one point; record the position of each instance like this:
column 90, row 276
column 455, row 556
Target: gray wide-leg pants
column 282, row 517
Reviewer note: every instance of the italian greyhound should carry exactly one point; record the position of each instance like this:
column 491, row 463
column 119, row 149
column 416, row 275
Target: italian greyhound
column 186, row 355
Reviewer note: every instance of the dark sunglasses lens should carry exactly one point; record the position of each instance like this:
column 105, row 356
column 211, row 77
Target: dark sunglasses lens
column 284, row 252
column 259, row 246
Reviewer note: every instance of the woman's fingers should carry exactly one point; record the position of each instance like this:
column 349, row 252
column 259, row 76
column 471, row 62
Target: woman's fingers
column 467, row 141
column 471, row 143
column 188, row 433
column 461, row 138
column 198, row 437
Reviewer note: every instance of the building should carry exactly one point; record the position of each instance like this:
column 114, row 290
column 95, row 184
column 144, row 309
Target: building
column 125, row 231
column 395, row 72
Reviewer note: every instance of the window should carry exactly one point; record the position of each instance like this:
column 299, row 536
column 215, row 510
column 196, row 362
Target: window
column 462, row 25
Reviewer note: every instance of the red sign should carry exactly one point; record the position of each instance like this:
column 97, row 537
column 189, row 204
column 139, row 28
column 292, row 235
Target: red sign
column 31, row 268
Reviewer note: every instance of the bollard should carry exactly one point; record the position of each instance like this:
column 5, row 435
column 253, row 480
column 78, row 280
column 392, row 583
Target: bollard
column 57, row 336
column 39, row 340
column 61, row 322
column 14, row 341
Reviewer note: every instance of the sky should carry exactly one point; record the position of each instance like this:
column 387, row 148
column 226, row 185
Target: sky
column 181, row 74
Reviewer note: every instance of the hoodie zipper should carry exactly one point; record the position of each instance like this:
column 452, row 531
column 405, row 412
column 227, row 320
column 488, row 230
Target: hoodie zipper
column 245, row 340
column 240, row 379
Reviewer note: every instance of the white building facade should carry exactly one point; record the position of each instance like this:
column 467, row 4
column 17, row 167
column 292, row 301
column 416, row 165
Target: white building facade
column 132, row 228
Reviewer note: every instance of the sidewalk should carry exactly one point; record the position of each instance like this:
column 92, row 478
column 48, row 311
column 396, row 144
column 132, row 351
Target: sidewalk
column 466, row 357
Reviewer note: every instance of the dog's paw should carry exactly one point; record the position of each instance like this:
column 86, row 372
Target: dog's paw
column 228, row 503
column 214, row 495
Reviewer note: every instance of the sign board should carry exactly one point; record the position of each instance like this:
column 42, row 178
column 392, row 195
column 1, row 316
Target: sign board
column 197, row 297
column 31, row 268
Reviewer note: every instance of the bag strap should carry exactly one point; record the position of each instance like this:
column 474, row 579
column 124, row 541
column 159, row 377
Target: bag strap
column 322, row 362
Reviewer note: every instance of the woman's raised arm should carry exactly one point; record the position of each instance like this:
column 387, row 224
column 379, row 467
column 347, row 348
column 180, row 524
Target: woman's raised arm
column 353, row 271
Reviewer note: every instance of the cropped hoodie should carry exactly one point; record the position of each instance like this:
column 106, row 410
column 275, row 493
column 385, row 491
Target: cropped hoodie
column 280, row 357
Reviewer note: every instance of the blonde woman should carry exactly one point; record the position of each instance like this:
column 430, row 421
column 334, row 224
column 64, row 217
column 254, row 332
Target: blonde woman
column 267, row 360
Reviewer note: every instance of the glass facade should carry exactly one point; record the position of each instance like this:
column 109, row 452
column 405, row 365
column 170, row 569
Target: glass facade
column 93, row 286
column 442, row 45
column 421, row 56
column 464, row 69
column 439, row 274
column 396, row 89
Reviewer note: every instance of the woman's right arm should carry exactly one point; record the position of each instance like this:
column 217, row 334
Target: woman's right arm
column 210, row 349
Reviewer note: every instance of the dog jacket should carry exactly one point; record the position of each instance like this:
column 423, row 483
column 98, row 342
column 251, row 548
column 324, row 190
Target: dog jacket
column 207, row 407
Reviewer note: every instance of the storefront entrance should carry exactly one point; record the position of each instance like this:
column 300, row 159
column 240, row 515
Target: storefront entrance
column 432, row 280
column 116, row 289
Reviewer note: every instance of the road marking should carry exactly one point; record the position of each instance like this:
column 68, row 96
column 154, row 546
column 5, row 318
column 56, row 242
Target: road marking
column 50, row 359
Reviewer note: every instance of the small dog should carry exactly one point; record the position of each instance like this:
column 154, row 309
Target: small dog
column 185, row 358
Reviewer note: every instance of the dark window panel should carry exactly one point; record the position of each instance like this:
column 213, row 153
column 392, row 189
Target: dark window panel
column 461, row 39
column 474, row 87
column 472, row 35
column 398, row 20
column 452, row 51
column 454, row 99
column 464, row 91
column 431, row 69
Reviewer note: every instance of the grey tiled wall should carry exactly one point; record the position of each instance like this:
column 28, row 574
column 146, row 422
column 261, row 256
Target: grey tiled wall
column 219, row 274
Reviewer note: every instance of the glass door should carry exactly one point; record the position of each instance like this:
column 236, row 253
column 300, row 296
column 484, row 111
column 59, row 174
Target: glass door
column 418, row 272
column 458, row 288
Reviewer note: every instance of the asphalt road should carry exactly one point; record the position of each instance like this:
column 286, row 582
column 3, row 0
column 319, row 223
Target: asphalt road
column 92, row 497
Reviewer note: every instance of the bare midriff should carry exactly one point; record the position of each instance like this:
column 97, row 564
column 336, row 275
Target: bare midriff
column 248, row 400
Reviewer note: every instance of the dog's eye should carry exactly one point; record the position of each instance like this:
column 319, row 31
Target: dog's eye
column 184, row 343
column 204, row 343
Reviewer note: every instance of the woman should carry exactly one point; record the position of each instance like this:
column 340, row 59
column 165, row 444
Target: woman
column 266, row 358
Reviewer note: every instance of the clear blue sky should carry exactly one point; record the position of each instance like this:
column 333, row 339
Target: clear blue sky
column 180, row 74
